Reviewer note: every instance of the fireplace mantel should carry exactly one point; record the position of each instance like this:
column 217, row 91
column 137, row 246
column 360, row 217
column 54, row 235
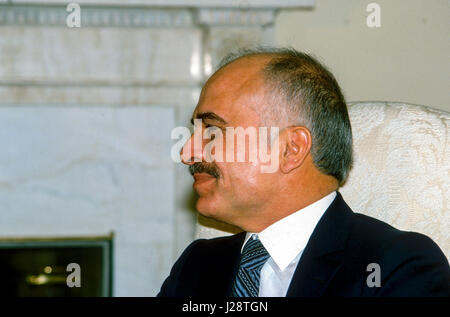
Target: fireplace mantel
column 147, row 13
column 241, row 4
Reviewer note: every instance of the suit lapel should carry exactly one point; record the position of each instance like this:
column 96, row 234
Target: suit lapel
column 322, row 256
column 218, row 277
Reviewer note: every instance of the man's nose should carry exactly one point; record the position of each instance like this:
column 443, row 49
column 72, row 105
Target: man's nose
column 192, row 150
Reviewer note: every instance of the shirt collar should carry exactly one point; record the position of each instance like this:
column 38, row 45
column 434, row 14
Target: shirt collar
column 285, row 238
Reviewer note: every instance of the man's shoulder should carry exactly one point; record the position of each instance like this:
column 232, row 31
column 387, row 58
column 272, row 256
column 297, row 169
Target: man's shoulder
column 410, row 263
column 373, row 230
column 377, row 239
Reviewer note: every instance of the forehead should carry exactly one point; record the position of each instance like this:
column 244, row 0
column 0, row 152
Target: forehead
column 235, row 92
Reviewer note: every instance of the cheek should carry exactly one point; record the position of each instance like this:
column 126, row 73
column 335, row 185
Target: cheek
column 244, row 176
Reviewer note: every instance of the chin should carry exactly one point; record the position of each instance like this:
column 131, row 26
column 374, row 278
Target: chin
column 222, row 215
column 210, row 209
column 205, row 207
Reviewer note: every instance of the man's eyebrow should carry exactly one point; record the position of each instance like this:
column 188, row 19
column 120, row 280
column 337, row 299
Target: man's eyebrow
column 210, row 116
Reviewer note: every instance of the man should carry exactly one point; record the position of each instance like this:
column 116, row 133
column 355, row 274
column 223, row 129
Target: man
column 300, row 238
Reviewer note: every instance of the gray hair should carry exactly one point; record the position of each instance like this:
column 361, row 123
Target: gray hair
column 309, row 96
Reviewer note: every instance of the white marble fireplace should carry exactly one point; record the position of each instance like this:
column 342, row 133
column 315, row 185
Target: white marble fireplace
column 86, row 115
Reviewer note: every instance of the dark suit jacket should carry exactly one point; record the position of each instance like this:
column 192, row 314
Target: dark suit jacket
column 334, row 262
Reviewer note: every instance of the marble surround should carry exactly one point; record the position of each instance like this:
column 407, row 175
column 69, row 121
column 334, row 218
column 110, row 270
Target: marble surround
column 86, row 115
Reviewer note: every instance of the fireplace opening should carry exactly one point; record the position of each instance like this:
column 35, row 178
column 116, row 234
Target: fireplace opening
column 56, row 267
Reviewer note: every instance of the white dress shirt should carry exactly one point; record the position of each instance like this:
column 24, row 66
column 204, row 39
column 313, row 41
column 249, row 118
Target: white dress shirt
column 285, row 241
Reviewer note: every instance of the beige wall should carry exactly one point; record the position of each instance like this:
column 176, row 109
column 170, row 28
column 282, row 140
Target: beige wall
column 406, row 59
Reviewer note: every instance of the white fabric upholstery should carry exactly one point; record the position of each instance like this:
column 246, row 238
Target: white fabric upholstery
column 401, row 171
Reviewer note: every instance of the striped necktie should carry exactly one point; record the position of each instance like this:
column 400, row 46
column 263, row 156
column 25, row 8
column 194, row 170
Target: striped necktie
column 253, row 257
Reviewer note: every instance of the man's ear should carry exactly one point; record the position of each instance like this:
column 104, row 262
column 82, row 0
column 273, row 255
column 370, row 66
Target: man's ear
column 295, row 148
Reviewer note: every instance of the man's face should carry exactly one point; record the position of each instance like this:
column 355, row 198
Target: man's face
column 233, row 192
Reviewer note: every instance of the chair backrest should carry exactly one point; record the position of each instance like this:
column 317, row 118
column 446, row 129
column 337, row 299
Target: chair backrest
column 401, row 170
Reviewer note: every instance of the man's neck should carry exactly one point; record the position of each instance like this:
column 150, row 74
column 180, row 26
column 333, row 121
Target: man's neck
column 281, row 208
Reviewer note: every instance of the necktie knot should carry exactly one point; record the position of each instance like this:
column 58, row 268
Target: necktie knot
column 253, row 257
column 253, row 250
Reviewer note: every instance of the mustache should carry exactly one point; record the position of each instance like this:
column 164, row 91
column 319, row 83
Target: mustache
column 202, row 167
